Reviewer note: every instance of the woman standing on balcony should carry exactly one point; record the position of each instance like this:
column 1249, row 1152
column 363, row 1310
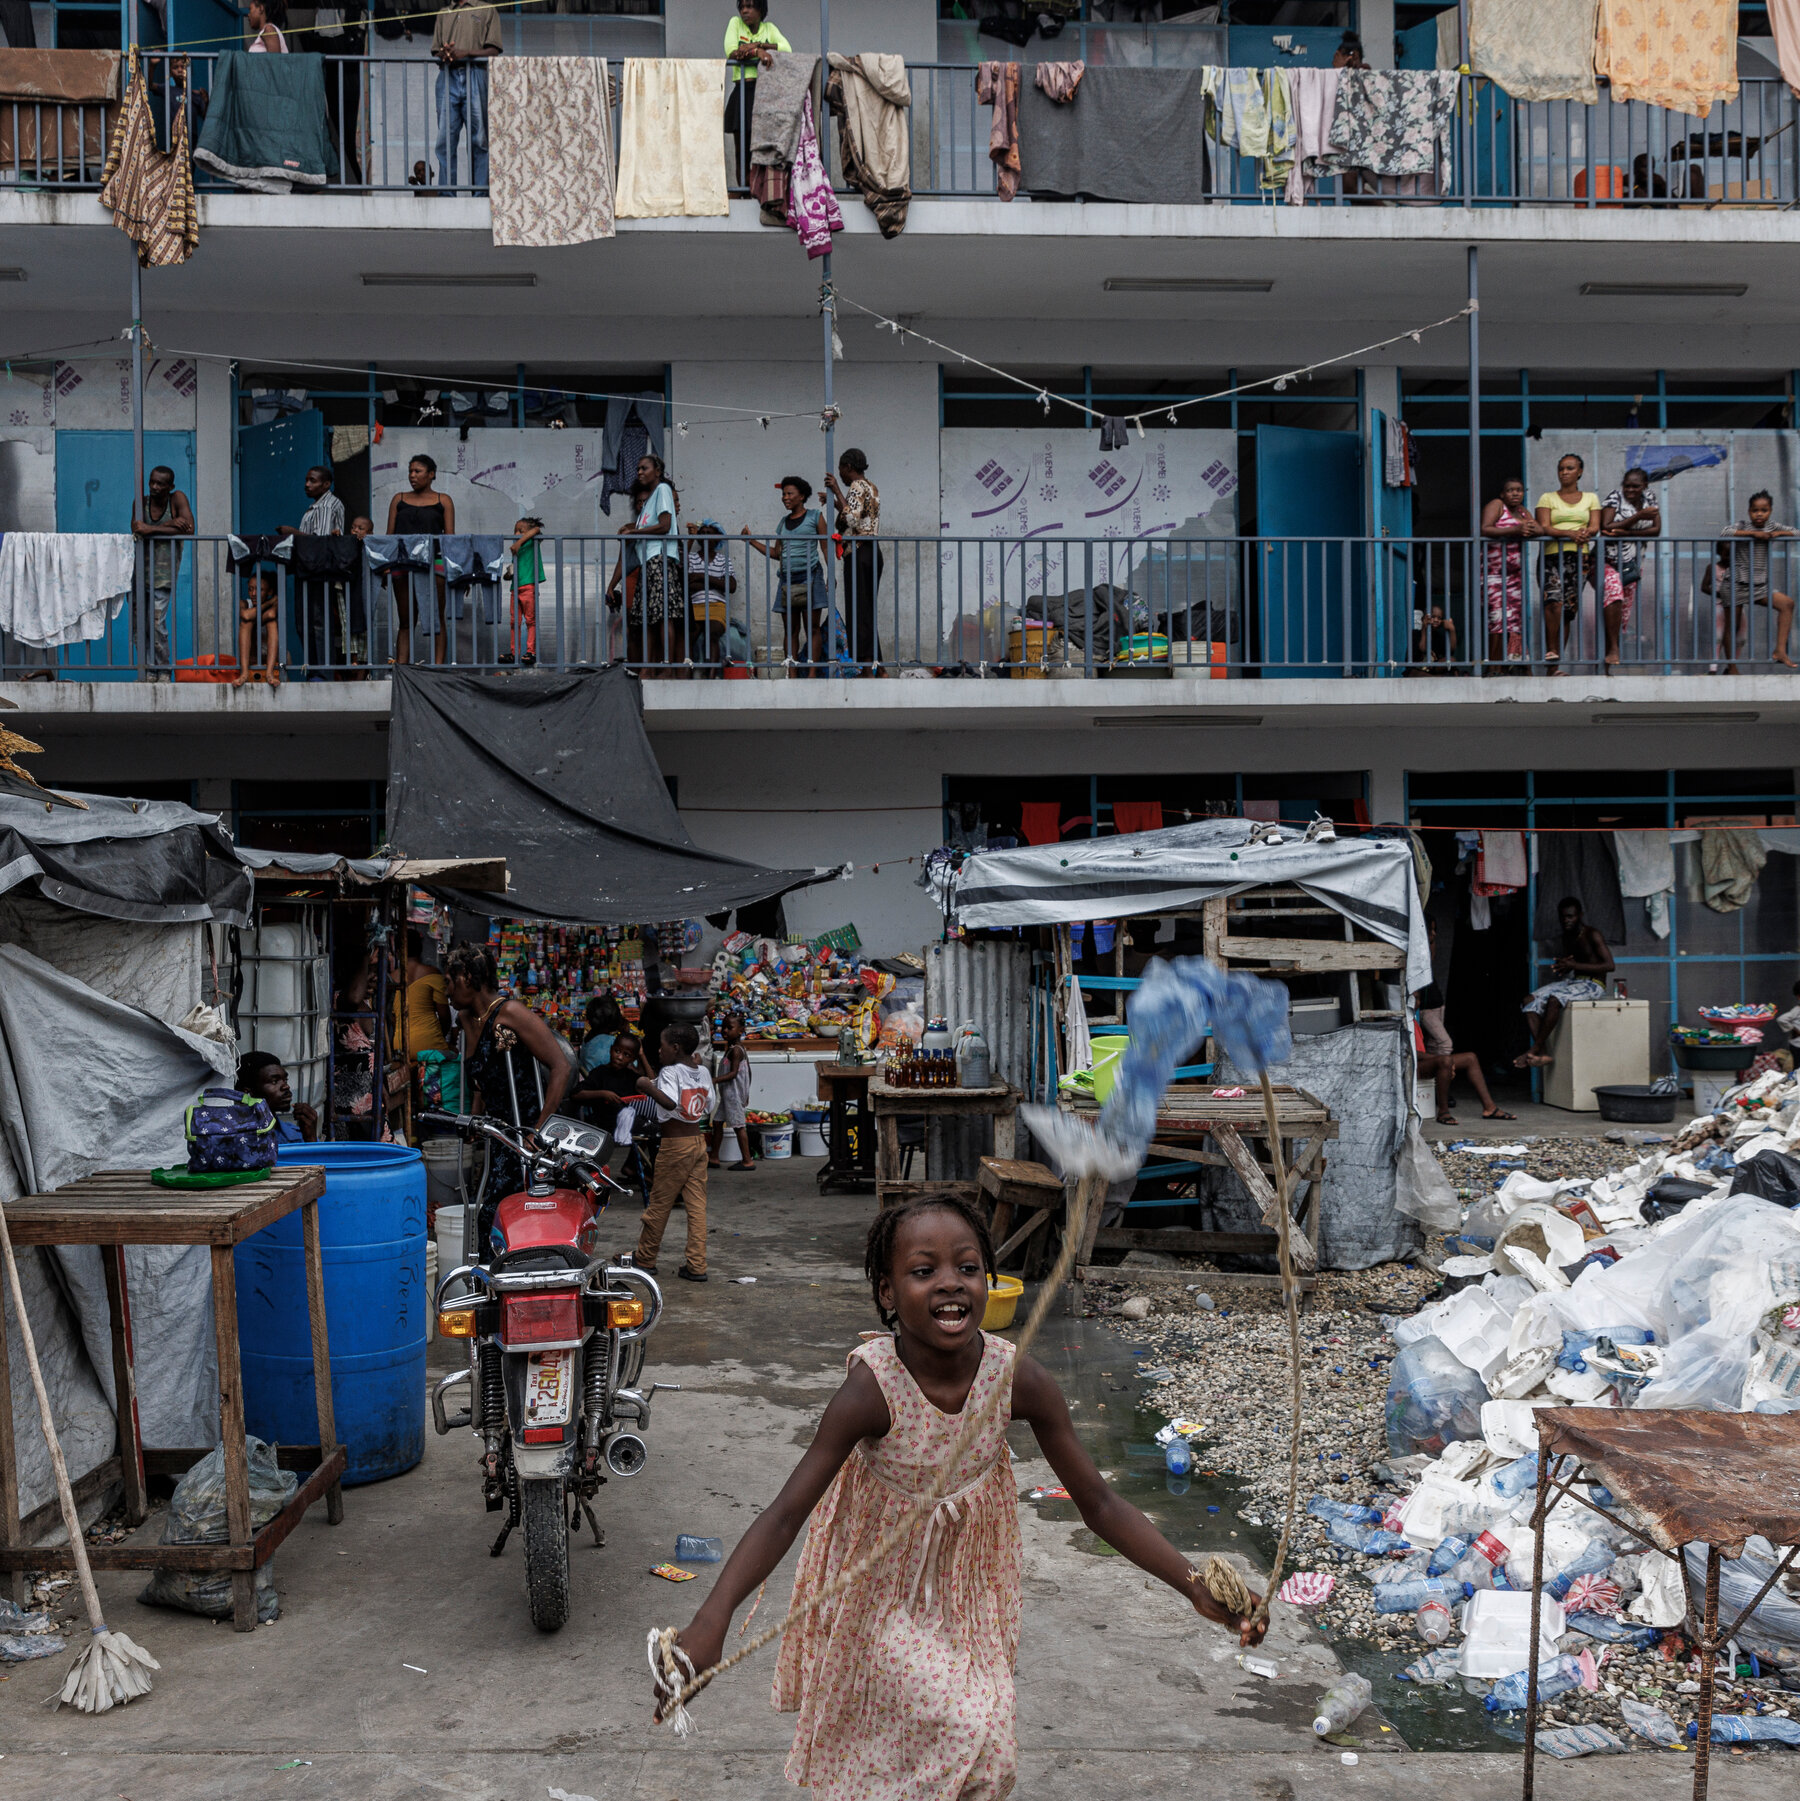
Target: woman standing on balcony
column 420, row 512
column 1570, row 517
column 1629, row 513
column 857, row 502
column 750, row 43
column 652, row 571
column 1505, row 525
column 266, row 18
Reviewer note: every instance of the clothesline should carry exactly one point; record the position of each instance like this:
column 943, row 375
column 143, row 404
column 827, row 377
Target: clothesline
column 1045, row 398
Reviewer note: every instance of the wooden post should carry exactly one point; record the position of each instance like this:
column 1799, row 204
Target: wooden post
column 10, row 1531
column 231, row 1431
column 131, row 1437
column 321, row 1350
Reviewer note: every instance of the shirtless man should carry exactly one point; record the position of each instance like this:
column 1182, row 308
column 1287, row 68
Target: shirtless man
column 1582, row 965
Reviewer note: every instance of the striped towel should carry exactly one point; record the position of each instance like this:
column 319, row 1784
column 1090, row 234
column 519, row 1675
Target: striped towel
column 1306, row 1588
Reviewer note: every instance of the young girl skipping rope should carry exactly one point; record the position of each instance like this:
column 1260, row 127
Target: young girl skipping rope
column 904, row 1683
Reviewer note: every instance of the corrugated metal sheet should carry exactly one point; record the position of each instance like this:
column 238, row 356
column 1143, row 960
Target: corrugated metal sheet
column 987, row 984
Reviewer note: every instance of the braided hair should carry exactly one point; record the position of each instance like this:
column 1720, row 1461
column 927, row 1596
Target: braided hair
column 878, row 1253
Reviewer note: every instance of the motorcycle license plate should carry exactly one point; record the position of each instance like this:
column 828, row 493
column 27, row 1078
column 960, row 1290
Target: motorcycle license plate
column 549, row 1387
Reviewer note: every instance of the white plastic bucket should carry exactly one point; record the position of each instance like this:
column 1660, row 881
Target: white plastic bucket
column 809, row 1140
column 449, row 1248
column 728, row 1147
column 431, row 1282
column 777, row 1141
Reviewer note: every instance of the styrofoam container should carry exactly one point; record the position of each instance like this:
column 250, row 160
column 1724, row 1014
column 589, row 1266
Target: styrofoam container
column 1475, row 1331
column 1497, row 1633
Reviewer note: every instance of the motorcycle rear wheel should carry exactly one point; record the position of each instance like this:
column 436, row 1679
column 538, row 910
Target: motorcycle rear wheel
column 546, row 1554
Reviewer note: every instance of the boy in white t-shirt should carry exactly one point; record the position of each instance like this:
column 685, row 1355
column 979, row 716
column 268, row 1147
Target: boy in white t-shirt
column 685, row 1097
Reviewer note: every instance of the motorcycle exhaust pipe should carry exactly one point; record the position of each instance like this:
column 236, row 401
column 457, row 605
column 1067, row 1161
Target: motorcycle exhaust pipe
column 626, row 1454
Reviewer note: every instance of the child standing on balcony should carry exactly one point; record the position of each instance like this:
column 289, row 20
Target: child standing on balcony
column 259, row 602
column 527, row 573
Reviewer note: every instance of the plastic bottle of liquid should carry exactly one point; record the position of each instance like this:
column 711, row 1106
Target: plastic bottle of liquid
column 1595, row 1559
column 1341, row 1703
column 1448, row 1555
column 1322, row 1507
column 1749, row 1729
column 1434, row 1621
column 1178, row 1457
column 1555, row 1677
column 1371, row 1541
column 1516, row 1477
column 1410, row 1594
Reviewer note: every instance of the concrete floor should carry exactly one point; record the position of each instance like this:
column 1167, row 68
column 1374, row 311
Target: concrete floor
column 1120, row 1689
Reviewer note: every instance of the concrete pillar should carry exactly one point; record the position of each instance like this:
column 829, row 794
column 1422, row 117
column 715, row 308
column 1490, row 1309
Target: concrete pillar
column 214, row 442
column 1377, row 29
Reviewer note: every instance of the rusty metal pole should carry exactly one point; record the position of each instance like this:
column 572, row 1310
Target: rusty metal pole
column 1709, row 1652
column 1538, row 1515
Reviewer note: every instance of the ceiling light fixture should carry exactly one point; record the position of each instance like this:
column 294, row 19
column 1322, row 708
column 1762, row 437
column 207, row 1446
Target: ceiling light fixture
column 12, row 274
column 1159, row 721
column 1185, row 284
column 1668, row 718
column 1665, row 290
column 522, row 280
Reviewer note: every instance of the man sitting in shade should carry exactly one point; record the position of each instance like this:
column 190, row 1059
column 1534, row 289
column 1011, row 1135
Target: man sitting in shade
column 1582, row 965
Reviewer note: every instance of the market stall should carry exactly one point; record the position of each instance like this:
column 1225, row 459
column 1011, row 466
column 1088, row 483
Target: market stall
column 1339, row 920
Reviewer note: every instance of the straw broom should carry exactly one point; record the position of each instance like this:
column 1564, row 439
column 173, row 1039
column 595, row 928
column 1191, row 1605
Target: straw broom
column 112, row 1668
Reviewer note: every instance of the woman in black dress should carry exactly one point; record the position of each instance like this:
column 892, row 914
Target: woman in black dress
column 420, row 512
column 515, row 1064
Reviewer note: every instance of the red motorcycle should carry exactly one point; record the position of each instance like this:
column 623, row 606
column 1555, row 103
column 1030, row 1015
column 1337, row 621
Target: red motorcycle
column 556, row 1348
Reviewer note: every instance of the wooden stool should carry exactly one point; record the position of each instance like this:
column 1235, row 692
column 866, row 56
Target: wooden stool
column 1018, row 1187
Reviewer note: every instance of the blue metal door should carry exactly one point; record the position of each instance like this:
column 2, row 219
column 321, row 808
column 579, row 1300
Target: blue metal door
column 272, row 463
column 94, row 482
column 1309, row 513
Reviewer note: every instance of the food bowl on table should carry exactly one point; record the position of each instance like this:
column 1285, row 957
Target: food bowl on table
column 1002, row 1302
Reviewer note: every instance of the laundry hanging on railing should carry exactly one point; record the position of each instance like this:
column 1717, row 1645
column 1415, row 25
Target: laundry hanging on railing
column 550, row 162
column 775, row 130
column 1390, row 123
column 55, row 108
column 1784, row 23
column 869, row 98
column 1678, row 54
column 1313, row 94
column 812, row 208
column 997, row 86
column 672, row 140
column 266, row 126
column 1132, row 135
column 62, row 587
column 1536, row 49
column 150, row 192
column 1647, row 873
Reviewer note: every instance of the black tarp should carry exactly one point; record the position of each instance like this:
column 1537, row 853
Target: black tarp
column 155, row 861
column 554, row 773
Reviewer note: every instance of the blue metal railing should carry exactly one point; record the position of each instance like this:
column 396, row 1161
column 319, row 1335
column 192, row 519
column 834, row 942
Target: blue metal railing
column 1237, row 609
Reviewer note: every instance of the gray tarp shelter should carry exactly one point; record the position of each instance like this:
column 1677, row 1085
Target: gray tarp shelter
column 1371, row 881
column 104, row 917
column 1361, row 1072
column 555, row 774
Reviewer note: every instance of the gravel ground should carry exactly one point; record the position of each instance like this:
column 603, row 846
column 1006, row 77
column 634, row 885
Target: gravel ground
column 1230, row 1364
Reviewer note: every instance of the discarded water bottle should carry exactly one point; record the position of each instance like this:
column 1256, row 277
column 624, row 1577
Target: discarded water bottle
column 1434, row 1621
column 1371, row 1541
column 1516, row 1477
column 1341, row 1703
column 1322, row 1507
column 1596, row 1557
column 1410, row 1594
column 1434, row 1667
column 1474, row 1573
column 1749, row 1729
column 1555, row 1677
column 1579, row 1741
column 689, row 1549
column 1649, row 1722
column 1178, row 1457
column 1447, row 1556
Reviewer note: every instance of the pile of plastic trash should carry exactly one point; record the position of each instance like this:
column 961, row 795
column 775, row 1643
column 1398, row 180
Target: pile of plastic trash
column 1673, row 1282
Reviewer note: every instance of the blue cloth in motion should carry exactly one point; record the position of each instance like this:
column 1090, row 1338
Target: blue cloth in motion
column 1175, row 1006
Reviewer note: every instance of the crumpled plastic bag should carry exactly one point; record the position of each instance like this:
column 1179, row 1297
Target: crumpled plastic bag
column 1775, row 1625
column 197, row 1517
column 1663, row 1601
column 1177, row 1004
column 1432, row 1400
column 1770, row 1175
column 1421, row 1189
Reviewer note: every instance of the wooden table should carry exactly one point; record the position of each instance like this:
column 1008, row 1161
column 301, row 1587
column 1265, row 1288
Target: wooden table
column 119, row 1207
column 1194, row 1126
column 1000, row 1103
column 850, row 1159
column 1015, row 1187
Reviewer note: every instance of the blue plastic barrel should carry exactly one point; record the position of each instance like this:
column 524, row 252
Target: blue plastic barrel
column 372, row 1239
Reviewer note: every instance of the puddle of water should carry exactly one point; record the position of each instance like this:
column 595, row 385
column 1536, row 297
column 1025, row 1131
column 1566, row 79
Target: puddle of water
column 1118, row 1418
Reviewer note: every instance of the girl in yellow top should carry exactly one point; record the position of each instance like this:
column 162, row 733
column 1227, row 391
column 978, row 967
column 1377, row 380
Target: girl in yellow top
column 750, row 42
column 1570, row 518
column 427, row 1000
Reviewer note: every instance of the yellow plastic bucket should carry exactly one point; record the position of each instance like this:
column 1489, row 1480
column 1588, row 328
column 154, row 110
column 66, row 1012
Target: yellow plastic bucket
column 1002, row 1302
column 1107, row 1052
column 1028, row 649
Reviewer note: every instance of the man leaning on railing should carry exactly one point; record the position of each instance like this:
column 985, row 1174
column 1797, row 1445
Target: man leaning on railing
column 465, row 36
column 162, row 514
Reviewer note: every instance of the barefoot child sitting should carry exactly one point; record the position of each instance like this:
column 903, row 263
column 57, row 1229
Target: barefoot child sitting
column 904, row 1683
column 259, row 602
